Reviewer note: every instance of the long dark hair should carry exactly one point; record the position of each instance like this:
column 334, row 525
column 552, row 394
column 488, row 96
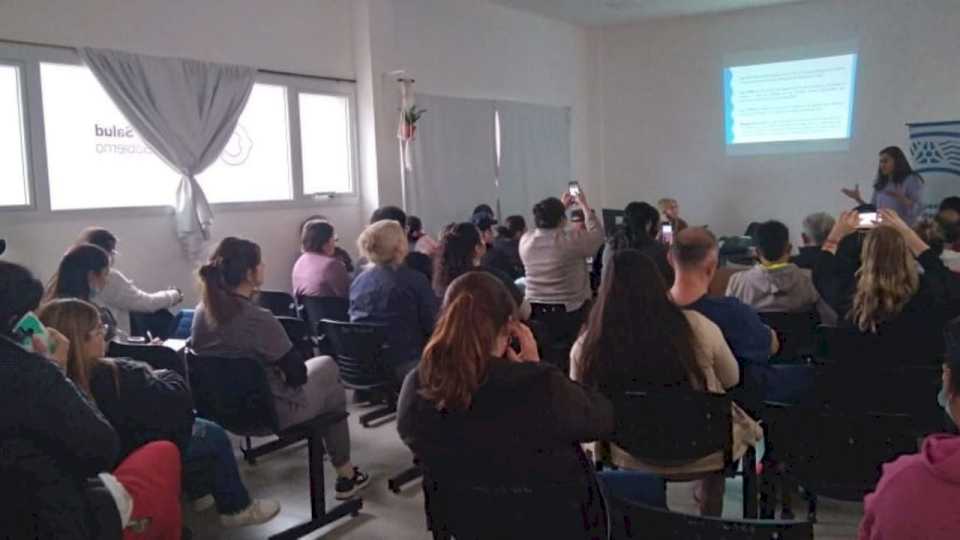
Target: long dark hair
column 414, row 229
column 639, row 227
column 72, row 279
column 636, row 337
column 227, row 269
column 457, row 357
column 458, row 247
column 901, row 169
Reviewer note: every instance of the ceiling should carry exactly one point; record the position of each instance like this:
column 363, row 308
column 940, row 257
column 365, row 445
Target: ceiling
column 601, row 12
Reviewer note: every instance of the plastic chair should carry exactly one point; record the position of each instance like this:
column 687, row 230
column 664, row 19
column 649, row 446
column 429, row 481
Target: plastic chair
column 698, row 424
column 631, row 519
column 234, row 393
column 181, row 324
column 797, row 333
column 300, row 335
column 318, row 308
column 279, row 303
column 358, row 348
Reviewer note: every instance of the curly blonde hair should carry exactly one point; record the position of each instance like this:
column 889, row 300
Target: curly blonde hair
column 384, row 242
column 886, row 281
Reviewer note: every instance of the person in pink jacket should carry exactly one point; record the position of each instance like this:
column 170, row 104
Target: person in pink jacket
column 917, row 495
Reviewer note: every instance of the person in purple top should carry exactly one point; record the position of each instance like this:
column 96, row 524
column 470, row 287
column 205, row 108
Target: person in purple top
column 896, row 187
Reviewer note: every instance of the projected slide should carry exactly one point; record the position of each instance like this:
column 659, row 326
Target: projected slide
column 800, row 100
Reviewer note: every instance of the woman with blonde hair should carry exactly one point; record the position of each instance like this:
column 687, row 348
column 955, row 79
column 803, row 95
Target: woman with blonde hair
column 391, row 293
column 886, row 281
column 145, row 405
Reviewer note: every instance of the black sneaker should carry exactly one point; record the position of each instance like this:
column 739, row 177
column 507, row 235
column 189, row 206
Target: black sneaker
column 348, row 487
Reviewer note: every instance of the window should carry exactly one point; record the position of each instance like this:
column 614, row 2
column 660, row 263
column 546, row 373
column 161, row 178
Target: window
column 325, row 140
column 14, row 190
column 96, row 160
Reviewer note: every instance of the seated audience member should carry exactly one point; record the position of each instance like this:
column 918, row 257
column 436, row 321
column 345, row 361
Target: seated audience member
column 420, row 242
column 694, row 257
column 485, row 225
column 461, row 251
column 483, row 210
column 505, row 254
column 318, row 272
column 670, row 210
column 871, row 279
column 389, row 213
column 816, row 227
column 669, row 347
column 480, row 414
column 144, row 405
column 338, row 252
column 557, row 281
column 774, row 284
column 57, row 448
column 641, row 225
column 948, row 224
column 916, row 495
column 389, row 292
column 82, row 274
column 228, row 324
column 119, row 294
column 950, row 203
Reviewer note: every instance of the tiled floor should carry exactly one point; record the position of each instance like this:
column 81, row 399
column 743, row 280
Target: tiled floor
column 283, row 475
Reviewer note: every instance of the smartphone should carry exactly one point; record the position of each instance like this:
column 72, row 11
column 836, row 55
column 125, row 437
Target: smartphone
column 574, row 188
column 868, row 220
column 666, row 233
column 27, row 327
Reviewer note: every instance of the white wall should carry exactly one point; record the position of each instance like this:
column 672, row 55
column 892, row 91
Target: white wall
column 464, row 48
column 475, row 49
column 662, row 105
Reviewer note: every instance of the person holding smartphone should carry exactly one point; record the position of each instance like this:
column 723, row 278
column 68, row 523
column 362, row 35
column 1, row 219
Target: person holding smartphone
column 641, row 228
column 554, row 256
column 496, row 430
column 896, row 186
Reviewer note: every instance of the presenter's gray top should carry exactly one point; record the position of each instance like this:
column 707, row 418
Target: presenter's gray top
column 912, row 187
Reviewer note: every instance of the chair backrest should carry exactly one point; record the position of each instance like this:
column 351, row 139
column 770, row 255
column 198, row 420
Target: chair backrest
column 318, row 308
column 234, row 393
column 478, row 511
column 182, row 322
column 358, row 349
column 156, row 356
column 797, row 333
column 838, row 454
column 299, row 333
column 850, row 347
column 156, row 324
column 673, row 425
column 630, row 519
column 279, row 303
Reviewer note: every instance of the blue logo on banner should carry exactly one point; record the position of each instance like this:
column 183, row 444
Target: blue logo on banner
column 935, row 147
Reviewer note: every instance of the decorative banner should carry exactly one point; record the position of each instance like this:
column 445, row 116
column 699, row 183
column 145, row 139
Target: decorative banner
column 935, row 148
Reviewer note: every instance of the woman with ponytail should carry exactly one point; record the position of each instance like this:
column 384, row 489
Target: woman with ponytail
column 228, row 324
column 482, row 413
column 641, row 226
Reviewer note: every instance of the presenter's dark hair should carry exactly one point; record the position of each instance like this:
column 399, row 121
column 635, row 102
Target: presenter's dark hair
column 548, row 213
column 901, row 168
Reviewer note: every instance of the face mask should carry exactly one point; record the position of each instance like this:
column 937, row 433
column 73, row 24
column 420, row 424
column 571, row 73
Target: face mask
column 944, row 402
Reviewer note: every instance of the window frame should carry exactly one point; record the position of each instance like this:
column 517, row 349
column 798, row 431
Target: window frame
column 25, row 133
column 28, row 59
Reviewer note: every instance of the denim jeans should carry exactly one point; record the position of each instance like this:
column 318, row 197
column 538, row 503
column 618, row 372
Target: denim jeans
column 210, row 449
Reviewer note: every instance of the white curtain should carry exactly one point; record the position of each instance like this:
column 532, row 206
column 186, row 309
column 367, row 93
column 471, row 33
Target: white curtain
column 186, row 111
column 453, row 161
column 534, row 155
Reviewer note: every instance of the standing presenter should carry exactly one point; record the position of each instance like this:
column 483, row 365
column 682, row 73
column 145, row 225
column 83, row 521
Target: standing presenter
column 897, row 186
